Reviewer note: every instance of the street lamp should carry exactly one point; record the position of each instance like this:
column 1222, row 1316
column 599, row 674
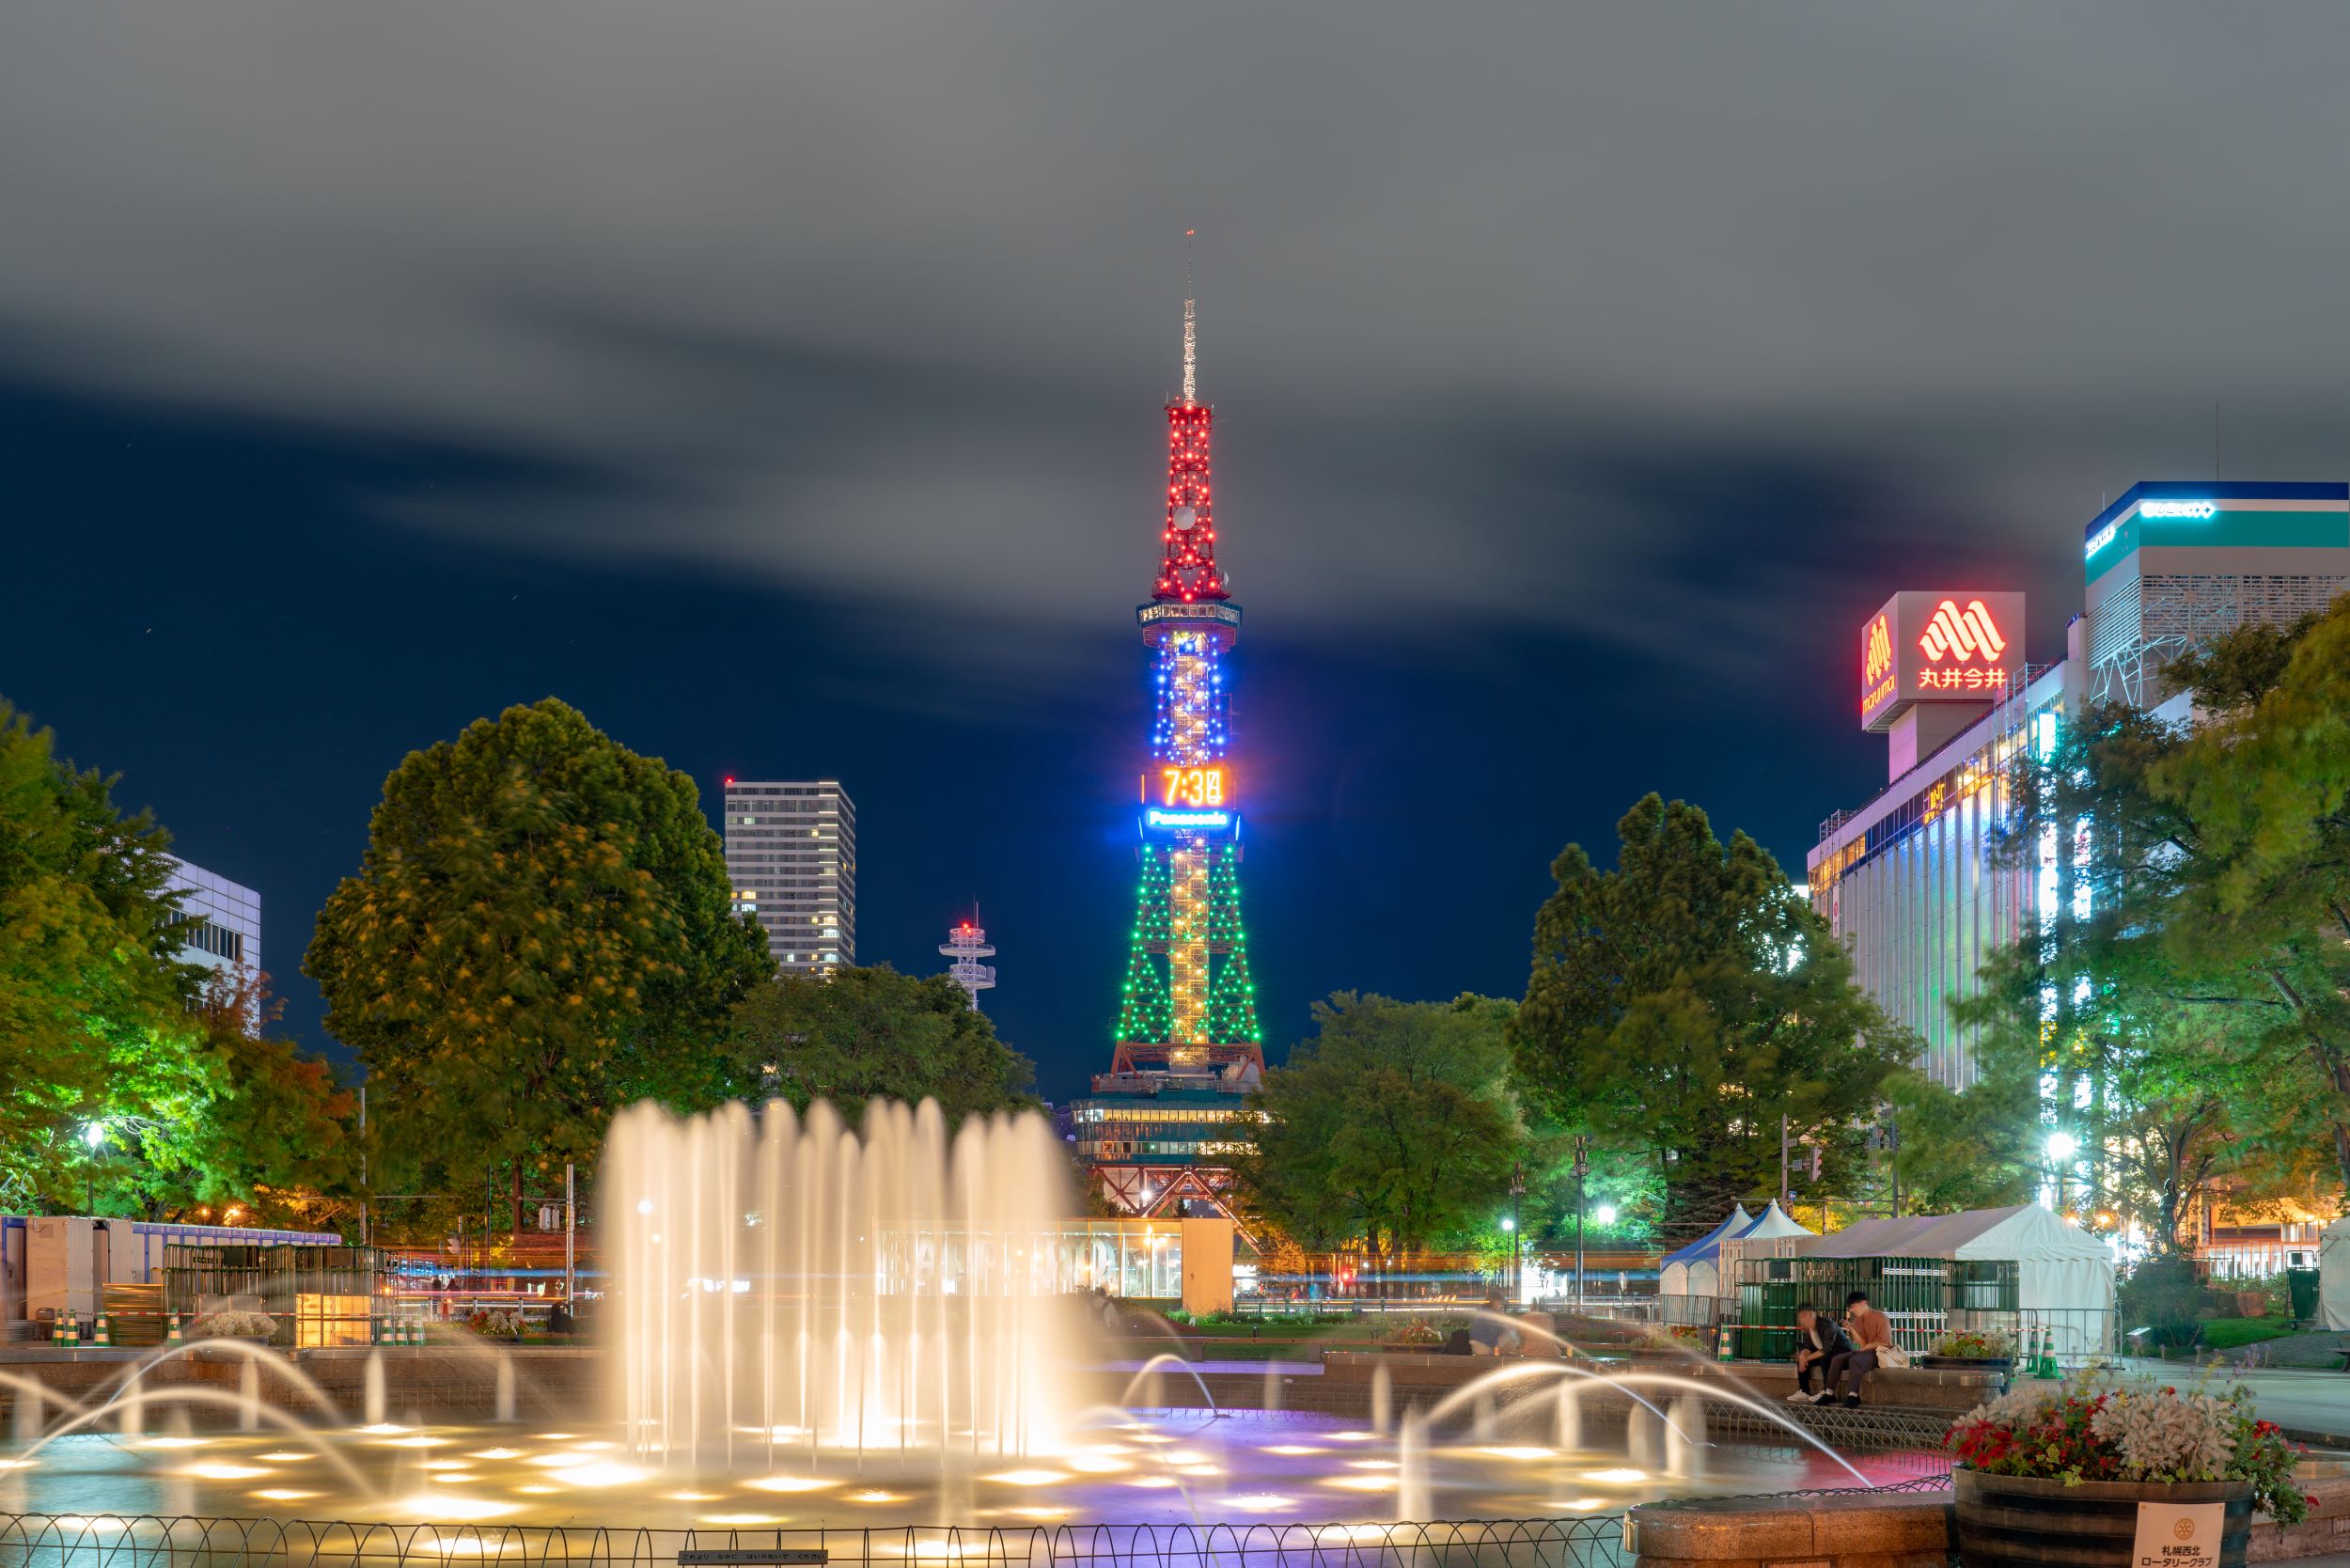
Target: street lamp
column 92, row 1135
column 2061, row 1148
column 1605, row 1215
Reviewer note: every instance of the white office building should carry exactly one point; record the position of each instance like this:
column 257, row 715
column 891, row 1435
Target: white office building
column 220, row 922
column 792, row 855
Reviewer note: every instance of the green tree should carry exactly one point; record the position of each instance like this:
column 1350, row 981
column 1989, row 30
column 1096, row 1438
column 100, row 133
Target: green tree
column 91, row 990
column 1684, row 1002
column 542, row 931
column 1394, row 1124
column 1952, row 1151
column 2260, row 789
column 870, row 1033
column 2202, row 938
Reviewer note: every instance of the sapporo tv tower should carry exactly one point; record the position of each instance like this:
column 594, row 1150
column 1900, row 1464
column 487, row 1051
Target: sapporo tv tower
column 1159, row 1128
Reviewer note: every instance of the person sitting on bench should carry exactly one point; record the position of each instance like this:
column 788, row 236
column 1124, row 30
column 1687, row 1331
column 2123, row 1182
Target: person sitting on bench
column 1872, row 1334
column 1817, row 1340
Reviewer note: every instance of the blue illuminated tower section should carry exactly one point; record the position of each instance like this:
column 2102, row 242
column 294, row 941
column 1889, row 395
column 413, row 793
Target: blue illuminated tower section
column 1188, row 1005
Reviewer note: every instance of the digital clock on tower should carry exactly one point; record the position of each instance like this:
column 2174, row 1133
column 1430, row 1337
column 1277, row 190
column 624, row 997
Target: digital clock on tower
column 1189, row 786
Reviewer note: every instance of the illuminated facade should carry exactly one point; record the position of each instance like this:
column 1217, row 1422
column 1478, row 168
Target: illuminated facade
column 1908, row 881
column 1187, row 1011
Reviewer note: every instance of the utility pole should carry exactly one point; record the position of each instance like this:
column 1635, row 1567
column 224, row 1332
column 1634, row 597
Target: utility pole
column 1517, row 1232
column 1784, row 1195
column 570, row 1230
column 1582, row 1169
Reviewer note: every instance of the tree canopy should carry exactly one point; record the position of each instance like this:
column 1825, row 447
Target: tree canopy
column 103, row 1025
column 542, row 930
column 1684, row 1002
column 1393, row 1124
column 2199, row 957
column 871, row 1031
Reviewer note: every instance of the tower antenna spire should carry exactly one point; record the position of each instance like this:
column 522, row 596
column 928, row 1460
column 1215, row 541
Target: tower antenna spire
column 1191, row 334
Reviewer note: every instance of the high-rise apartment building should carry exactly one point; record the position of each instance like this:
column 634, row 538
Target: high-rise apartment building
column 792, row 855
column 220, row 923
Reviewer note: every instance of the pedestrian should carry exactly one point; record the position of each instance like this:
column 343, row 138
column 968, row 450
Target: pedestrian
column 1872, row 1335
column 1818, row 1342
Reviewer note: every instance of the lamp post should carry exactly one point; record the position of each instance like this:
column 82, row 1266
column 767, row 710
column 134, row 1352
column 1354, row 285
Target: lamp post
column 1582, row 1169
column 92, row 1135
column 1517, row 1243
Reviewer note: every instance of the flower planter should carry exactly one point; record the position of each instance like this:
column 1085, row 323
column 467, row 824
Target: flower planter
column 2016, row 1521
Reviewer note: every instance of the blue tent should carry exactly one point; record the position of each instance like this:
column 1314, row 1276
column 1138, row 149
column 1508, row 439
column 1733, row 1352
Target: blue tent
column 1672, row 1270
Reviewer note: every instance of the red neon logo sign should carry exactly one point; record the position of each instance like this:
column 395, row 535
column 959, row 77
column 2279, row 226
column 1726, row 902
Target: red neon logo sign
column 1956, row 633
column 1877, row 650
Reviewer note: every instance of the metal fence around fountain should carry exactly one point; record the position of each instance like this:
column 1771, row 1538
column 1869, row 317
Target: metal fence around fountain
column 1591, row 1541
column 29, row 1540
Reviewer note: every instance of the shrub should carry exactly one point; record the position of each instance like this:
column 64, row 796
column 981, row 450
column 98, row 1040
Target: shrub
column 1416, row 1331
column 1981, row 1344
column 2162, row 1295
column 2100, row 1427
column 496, row 1323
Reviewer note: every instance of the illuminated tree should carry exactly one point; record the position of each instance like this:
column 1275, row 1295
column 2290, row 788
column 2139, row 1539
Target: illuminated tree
column 91, row 993
column 1393, row 1125
column 540, row 931
column 1684, row 1002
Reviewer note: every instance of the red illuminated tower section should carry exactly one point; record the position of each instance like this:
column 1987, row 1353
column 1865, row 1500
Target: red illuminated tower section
column 1162, row 1125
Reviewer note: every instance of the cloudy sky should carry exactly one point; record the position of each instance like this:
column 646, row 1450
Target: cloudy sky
column 779, row 382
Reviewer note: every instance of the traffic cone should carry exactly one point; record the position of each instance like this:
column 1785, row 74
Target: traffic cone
column 171, row 1331
column 73, row 1326
column 106, row 1334
column 1723, row 1346
column 56, row 1329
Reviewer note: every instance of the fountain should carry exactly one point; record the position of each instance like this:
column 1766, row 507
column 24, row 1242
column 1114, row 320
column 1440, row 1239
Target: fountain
column 806, row 1325
column 892, row 1295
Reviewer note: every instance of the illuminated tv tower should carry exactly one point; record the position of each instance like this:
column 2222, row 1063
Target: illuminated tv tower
column 966, row 944
column 1188, row 1005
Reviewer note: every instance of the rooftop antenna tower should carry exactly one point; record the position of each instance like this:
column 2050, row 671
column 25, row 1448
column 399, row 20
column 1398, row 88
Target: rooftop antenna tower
column 966, row 944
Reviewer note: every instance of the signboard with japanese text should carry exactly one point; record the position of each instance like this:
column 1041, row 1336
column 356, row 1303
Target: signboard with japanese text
column 1940, row 645
column 2179, row 1535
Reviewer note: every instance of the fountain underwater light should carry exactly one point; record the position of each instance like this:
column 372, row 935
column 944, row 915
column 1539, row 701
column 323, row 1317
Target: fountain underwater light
column 892, row 1293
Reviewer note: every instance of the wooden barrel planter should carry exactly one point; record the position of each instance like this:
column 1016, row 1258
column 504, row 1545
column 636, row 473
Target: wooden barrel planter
column 2022, row 1521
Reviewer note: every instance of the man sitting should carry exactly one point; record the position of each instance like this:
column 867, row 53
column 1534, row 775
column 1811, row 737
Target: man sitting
column 1817, row 1339
column 1872, row 1334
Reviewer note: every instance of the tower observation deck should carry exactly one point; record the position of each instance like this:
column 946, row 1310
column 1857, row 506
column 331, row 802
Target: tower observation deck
column 1187, row 1026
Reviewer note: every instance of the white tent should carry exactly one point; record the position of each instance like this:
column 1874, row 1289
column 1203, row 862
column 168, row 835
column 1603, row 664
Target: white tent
column 2333, row 1275
column 2064, row 1275
column 1775, row 1234
column 1674, row 1272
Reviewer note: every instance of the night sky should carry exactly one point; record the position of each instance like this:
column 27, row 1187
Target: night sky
column 780, row 385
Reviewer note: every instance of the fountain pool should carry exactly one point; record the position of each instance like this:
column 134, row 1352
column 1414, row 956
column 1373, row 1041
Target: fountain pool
column 808, row 1327
column 1170, row 1467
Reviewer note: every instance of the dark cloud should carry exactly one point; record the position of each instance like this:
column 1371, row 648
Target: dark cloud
column 873, row 300
column 779, row 382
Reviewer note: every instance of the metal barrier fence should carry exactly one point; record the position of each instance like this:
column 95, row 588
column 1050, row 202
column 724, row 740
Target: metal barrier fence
column 106, row 1542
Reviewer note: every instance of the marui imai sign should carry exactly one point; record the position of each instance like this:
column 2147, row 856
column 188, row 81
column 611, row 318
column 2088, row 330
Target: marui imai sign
column 1940, row 645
